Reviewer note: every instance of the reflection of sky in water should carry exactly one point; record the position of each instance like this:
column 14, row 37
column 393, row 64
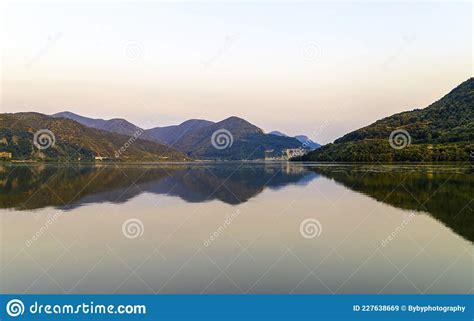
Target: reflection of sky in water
column 261, row 251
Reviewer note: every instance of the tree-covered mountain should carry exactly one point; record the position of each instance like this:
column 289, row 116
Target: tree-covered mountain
column 443, row 131
column 170, row 134
column 74, row 141
column 194, row 137
column 115, row 125
column 233, row 139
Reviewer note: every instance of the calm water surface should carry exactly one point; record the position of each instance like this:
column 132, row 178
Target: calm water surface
column 233, row 228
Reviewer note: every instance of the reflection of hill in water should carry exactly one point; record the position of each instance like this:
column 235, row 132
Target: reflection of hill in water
column 37, row 186
column 445, row 193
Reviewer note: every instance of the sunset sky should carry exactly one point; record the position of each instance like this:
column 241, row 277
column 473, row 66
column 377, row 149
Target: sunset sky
column 307, row 68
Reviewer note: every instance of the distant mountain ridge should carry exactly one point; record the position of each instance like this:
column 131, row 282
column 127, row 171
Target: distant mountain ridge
column 244, row 141
column 114, row 125
column 278, row 133
column 303, row 139
column 443, row 131
column 194, row 137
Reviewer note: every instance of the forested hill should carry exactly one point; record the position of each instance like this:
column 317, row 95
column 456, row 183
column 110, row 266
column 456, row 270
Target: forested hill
column 34, row 136
column 443, row 131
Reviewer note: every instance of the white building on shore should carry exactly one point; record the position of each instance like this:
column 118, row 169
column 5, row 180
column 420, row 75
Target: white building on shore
column 286, row 154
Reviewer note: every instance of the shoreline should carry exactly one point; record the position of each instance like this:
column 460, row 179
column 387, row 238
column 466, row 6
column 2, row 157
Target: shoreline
column 225, row 162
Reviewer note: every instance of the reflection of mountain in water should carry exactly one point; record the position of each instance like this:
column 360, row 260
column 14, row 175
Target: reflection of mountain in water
column 445, row 193
column 38, row 186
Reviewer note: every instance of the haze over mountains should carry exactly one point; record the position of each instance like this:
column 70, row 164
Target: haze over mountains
column 443, row 131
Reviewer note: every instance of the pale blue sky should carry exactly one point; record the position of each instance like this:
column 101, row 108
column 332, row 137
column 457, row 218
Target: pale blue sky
column 321, row 69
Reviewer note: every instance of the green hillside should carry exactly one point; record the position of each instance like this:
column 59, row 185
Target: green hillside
column 443, row 131
column 74, row 141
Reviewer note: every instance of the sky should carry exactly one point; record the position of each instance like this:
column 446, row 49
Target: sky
column 320, row 69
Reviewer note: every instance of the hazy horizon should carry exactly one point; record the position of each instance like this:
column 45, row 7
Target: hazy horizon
column 319, row 69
